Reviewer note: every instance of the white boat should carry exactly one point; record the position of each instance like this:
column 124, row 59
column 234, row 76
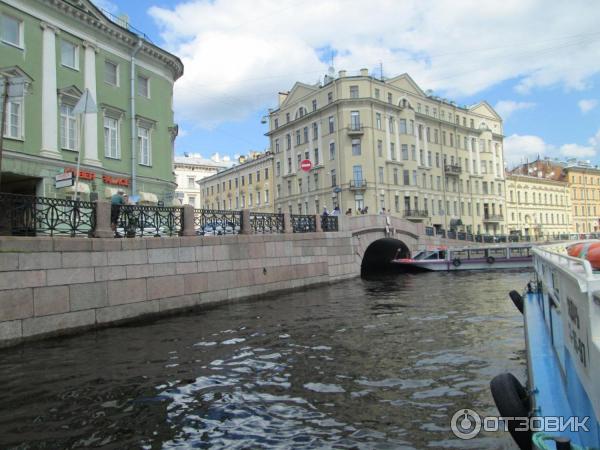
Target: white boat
column 468, row 258
column 561, row 312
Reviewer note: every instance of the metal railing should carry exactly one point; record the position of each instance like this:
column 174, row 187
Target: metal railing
column 142, row 220
column 416, row 213
column 213, row 222
column 303, row 223
column 452, row 169
column 493, row 217
column 355, row 128
column 358, row 184
column 329, row 223
column 266, row 222
column 28, row 215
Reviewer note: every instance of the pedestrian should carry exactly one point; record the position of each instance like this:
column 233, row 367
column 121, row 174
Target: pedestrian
column 325, row 212
column 349, row 212
column 336, row 211
column 382, row 212
column 116, row 201
column 365, row 210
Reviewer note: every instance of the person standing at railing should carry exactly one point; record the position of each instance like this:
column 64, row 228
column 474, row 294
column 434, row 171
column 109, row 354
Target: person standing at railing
column 336, row 211
column 116, row 201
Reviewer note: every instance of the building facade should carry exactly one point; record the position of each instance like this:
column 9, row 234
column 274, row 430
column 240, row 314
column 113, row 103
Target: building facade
column 60, row 50
column 538, row 203
column 189, row 170
column 584, row 181
column 248, row 185
column 387, row 144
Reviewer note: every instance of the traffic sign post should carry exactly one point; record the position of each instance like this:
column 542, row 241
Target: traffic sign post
column 306, row 165
column 64, row 179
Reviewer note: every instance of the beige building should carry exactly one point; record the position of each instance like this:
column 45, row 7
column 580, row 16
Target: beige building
column 538, row 200
column 247, row 185
column 584, row 181
column 387, row 144
column 189, row 169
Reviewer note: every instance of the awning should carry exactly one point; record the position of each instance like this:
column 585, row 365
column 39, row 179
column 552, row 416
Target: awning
column 82, row 188
column 148, row 197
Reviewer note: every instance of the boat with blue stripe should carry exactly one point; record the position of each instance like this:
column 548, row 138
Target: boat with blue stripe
column 561, row 311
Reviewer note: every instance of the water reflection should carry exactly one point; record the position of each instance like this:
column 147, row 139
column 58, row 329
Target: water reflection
column 366, row 363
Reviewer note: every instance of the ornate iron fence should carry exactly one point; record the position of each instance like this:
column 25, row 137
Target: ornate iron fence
column 213, row 222
column 461, row 236
column 303, row 223
column 266, row 222
column 329, row 223
column 158, row 221
column 28, row 215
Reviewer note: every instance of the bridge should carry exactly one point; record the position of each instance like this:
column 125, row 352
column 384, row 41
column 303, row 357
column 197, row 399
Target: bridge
column 59, row 284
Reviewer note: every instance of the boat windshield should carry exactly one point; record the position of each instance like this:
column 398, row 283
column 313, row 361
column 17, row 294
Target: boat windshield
column 430, row 255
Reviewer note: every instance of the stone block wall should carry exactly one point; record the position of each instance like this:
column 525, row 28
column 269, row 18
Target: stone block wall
column 58, row 285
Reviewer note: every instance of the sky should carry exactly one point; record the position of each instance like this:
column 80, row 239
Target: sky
column 535, row 61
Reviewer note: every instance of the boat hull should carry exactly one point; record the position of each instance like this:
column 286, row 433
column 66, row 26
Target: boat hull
column 445, row 265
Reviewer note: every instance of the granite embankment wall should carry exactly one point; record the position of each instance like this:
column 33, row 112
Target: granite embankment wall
column 58, row 285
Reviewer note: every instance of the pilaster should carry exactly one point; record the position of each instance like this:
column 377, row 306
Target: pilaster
column 91, row 119
column 49, row 98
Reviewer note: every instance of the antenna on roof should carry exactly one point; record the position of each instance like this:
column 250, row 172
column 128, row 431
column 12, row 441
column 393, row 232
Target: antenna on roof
column 381, row 70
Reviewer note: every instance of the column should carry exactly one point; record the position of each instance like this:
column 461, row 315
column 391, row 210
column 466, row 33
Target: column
column 426, row 147
column 478, row 155
column 91, row 119
column 320, row 145
column 387, row 137
column 398, row 146
column 49, row 96
column 417, row 143
column 471, row 157
column 494, row 160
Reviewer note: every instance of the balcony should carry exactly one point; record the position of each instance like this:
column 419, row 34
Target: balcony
column 416, row 214
column 493, row 218
column 358, row 185
column 452, row 169
column 355, row 129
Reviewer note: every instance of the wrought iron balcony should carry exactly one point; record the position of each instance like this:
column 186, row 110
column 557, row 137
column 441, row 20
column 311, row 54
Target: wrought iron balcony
column 493, row 218
column 452, row 169
column 358, row 185
column 355, row 129
column 416, row 214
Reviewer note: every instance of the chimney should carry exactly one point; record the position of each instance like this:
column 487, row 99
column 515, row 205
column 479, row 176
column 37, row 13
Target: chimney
column 364, row 72
column 342, row 73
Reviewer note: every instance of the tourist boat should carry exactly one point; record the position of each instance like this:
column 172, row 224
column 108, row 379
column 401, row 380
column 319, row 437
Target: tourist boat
column 467, row 258
column 561, row 311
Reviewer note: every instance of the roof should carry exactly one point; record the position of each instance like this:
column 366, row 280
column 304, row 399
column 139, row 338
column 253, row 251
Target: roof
column 198, row 161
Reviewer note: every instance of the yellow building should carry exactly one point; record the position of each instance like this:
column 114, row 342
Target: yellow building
column 538, row 202
column 247, row 185
column 387, row 144
column 584, row 181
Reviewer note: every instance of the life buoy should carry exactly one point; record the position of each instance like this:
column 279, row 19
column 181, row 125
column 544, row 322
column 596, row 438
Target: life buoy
column 517, row 300
column 456, row 262
column 490, row 260
column 586, row 250
column 512, row 400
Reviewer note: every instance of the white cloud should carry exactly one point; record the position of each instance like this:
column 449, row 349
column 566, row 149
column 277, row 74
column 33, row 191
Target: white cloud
column 239, row 53
column 586, row 105
column 518, row 149
column 506, row 107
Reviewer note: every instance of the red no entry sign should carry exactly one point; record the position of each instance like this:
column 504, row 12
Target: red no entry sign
column 305, row 165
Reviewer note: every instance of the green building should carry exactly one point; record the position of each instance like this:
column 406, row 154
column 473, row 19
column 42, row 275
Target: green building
column 58, row 50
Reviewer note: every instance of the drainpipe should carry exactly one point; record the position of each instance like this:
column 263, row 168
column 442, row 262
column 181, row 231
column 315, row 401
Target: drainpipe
column 137, row 48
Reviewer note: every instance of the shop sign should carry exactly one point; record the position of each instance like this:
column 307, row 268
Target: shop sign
column 85, row 175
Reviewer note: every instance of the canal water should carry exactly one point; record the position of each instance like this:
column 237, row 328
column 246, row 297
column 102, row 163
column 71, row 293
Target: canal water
column 378, row 363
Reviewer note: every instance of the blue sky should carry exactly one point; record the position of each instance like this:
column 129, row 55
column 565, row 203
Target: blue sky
column 535, row 61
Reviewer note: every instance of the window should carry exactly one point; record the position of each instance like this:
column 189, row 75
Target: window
column 111, row 138
column 380, row 148
column 277, row 150
column 331, row 124
column 357, row 173
column 378, row 121
column 329, row 97
column 111, row 73
column 144, row 146
column 404, row 152
column 405, row 177
column 243, row 180
column 143, row 86
column 298, row 140
column 333, row 178
column 13, row 128
column 332, row 150
column 353, row 91
column 305, row 135
column 389, row 97
column 12, row 30
column 355, row 120
column 314, row 105
column 69, row 55
column 391, row 124
column 192, row 200
column 315, row 128
column 287, row 117
column 267, row 173
column 392, row 151
column 377, row 93
column 288, row 141
column 267, row 196
column 355, row 147
column 316, row 156
column 395, row 175
column 191, row 181
column 276, row 123
column 258, row 176
column 68, row 127
column 277, row 170
column 403, row 126
column 381, row 179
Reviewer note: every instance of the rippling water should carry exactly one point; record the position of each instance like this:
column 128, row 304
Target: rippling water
column 360, row 364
